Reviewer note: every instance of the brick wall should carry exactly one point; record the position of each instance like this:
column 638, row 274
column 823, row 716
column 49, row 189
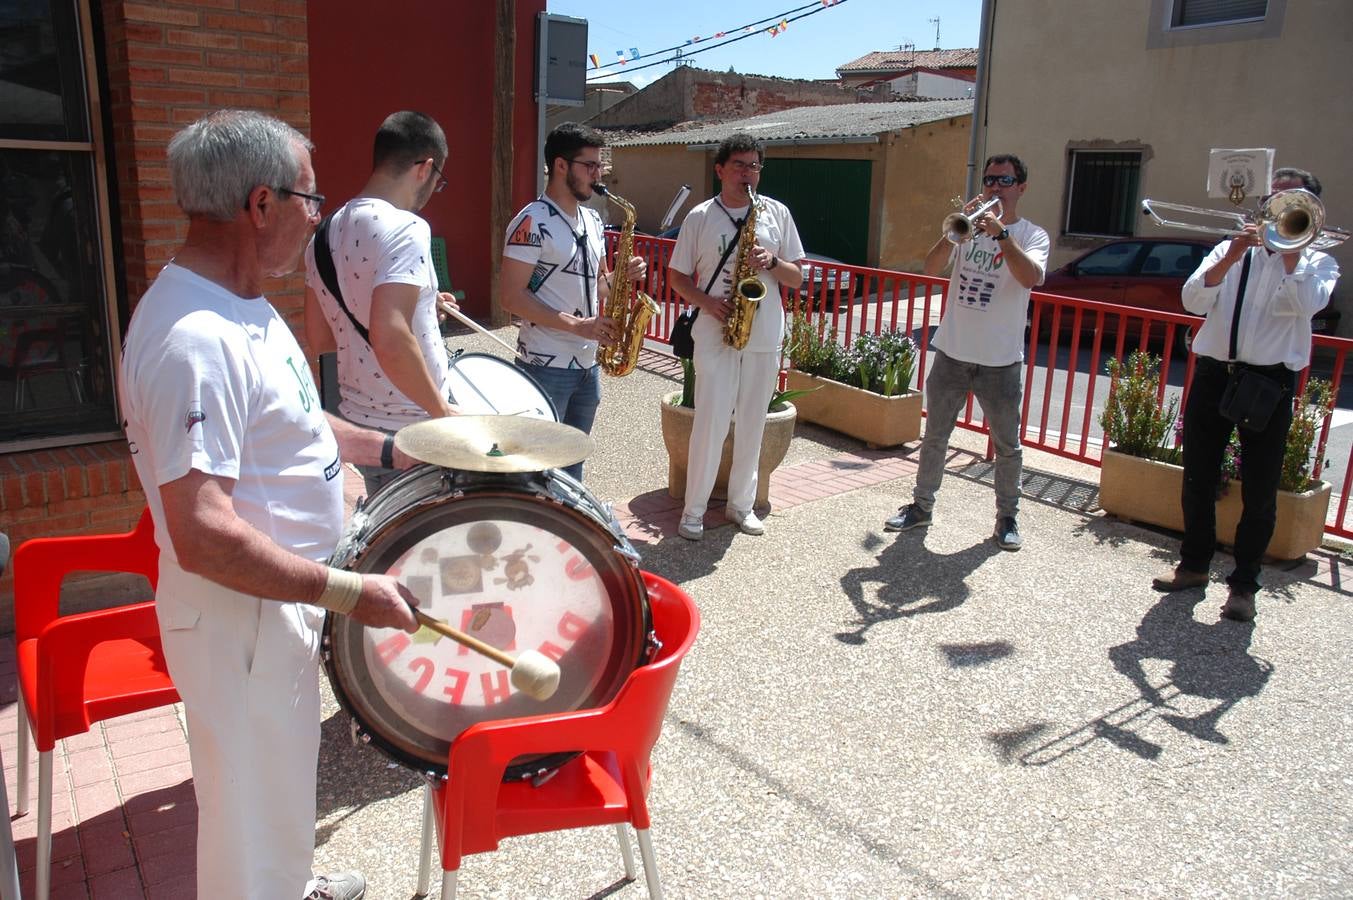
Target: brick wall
column 168, row 63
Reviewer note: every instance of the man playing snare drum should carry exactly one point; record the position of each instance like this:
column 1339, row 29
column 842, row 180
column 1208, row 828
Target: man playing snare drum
column 392, row 364
column 243, row 477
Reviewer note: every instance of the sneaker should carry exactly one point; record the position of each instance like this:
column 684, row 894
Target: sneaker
column 908, row 517
column 1181, row 579
column 692, row 529
column 1239, row 606
column 746, row 521
column 1007, row 533
column 340, row 886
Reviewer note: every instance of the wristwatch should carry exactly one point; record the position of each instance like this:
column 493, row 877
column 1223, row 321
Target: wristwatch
column 1005, row 233
column 388, row 452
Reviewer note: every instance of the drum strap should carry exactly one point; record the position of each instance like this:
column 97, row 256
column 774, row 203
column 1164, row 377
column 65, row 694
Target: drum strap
column 324, row 264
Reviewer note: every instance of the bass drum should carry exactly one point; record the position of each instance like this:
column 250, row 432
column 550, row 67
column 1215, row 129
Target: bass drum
column 484, row 385
column 520, row 561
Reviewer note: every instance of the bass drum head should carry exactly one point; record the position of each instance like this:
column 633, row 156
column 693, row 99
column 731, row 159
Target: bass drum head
column 484, row 385
column 516, row 570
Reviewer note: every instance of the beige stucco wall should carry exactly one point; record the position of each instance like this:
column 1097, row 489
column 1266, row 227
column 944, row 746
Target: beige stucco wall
column 1068, row 74
column 915, row 172
column 649, row 177
column 923, row 172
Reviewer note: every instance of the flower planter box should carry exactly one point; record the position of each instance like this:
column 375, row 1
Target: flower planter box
column 877, row 420
column 1144, row 490
column 676, row 434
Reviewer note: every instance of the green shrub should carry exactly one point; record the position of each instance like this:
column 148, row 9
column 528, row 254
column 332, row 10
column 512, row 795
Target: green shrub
column 883, row 363
column 1133, row 420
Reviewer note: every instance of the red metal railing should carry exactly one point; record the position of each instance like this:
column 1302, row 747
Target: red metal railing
column 1069, row 343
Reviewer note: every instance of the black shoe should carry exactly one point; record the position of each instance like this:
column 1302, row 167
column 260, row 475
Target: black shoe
column 1239, row 606
column 1181, row 579
column 908, row 517
column 1007, row 533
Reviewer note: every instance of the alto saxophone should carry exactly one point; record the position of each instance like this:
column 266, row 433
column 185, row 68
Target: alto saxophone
column 629, row 306
column 748, row 290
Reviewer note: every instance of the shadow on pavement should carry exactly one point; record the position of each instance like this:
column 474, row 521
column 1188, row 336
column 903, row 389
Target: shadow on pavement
column 912, row 581
column 1210, row 671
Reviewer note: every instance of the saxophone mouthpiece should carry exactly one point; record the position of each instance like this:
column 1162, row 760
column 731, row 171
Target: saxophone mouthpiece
column 600, row 188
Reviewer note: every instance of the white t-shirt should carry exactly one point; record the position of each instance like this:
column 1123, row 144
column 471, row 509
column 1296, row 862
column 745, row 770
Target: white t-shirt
column 375, row 243
column 706, row 233
column 217, row 383
column 566, row 253
column 987, row 310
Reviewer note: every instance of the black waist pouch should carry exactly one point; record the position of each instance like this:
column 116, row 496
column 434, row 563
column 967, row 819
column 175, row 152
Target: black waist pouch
column 1250, row 399
column 683, row 345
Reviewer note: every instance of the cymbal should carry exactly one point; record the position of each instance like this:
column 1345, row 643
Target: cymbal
column 494, row 443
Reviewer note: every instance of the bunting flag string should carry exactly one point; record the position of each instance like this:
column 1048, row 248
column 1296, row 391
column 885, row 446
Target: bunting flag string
column 777, row 25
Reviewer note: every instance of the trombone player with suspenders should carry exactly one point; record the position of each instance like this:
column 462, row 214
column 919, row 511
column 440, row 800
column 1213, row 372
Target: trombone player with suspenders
column 1258, row 291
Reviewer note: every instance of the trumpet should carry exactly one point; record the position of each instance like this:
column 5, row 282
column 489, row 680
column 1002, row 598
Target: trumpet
column 1288, row 221
column 960, row 227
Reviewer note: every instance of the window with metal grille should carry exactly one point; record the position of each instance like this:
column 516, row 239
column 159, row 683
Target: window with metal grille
column 1102, row 192
column 1217, row 12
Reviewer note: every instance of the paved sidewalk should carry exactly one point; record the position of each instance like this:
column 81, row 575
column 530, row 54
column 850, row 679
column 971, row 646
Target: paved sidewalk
column 868, row 714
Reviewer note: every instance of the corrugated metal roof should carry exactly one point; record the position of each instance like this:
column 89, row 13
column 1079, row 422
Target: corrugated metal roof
column 891, row 60
column 814, row 124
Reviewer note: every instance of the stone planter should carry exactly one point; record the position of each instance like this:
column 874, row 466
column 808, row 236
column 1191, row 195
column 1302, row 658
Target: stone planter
column 676, row 434
column 1143, row 490
column 877, row 420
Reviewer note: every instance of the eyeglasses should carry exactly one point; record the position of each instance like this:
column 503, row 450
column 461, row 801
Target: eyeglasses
column 313, row 202
column 592, row 167
column 1002, row 180
column 441, row 179
column 740, row 166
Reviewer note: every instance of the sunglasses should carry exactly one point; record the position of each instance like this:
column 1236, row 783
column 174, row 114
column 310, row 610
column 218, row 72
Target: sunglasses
column 1002, row 180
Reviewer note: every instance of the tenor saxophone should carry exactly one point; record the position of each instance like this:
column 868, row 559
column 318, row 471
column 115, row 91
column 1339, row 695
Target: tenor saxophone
column 748, row 290
column 629, row 306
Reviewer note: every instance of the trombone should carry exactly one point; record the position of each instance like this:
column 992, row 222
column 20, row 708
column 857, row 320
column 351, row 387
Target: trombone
column 959, row 227
column 1288, row 221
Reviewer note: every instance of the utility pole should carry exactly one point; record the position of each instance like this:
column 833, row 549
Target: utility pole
column 936, row 22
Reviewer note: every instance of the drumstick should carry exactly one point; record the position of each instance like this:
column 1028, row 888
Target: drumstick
column 533, row 673
column 452, row 311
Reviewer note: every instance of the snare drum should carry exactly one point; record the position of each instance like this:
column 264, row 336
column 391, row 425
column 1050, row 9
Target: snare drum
column 521, row 561
column 484, row 385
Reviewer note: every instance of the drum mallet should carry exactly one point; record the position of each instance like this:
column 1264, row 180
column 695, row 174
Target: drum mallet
column 533, row 673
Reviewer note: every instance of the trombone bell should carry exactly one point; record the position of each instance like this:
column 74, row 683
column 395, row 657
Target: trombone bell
column 1288, row 221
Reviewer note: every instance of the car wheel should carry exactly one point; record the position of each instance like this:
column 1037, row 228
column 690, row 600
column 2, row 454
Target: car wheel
column 1183, row 339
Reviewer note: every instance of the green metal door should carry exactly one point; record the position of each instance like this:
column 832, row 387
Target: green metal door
column 830, row 202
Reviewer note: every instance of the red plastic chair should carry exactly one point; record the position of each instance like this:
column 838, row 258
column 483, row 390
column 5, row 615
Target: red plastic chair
column 80, row 669
column 607, row 785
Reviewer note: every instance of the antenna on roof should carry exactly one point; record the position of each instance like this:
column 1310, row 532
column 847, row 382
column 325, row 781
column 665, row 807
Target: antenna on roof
column 936, row 22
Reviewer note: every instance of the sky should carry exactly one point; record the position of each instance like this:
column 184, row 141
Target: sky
column 811, row 47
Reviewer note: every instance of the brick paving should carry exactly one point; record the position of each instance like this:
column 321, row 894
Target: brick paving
column 123, row 807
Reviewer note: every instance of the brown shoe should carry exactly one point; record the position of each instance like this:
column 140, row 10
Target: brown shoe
column 1239, row 606
column 1181, row 579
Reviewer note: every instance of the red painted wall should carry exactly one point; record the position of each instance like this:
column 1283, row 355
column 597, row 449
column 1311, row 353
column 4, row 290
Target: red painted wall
column 368, row 60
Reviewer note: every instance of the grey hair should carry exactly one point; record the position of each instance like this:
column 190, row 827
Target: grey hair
column 215, row 162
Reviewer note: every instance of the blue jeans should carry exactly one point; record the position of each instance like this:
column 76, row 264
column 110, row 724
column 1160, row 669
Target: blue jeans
column 999, row 393
column 575, row 393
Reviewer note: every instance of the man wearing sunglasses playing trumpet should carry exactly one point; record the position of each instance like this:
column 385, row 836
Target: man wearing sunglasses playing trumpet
column 998, row 258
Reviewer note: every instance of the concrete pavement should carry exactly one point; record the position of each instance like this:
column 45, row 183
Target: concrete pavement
column 872, row 715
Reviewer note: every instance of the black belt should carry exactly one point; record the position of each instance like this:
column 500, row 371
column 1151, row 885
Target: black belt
column 1235, row 366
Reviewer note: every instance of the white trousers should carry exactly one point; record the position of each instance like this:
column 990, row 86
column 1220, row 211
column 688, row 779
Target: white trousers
column 247, row 670
column 729, row 384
